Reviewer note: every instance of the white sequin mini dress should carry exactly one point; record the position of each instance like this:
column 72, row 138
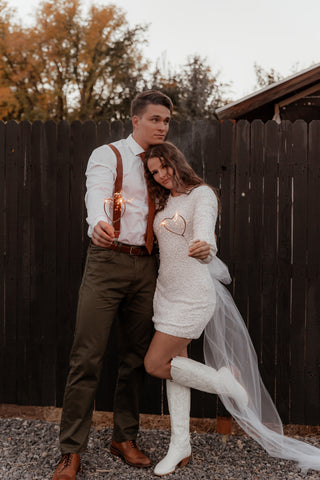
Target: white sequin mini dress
column 184, row 299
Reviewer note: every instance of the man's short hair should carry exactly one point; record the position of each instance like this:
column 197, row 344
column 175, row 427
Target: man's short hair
column 154, row 97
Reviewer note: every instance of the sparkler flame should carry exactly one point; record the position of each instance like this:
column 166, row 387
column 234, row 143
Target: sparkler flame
column 118, row 203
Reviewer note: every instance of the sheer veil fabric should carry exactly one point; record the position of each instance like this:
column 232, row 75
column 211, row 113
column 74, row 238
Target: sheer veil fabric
column 227, row 343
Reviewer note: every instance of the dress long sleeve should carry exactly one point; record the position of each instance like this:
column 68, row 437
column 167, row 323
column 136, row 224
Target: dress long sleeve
column 205, row 215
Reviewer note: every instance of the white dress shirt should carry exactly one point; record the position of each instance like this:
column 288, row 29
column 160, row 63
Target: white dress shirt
column 101, row 176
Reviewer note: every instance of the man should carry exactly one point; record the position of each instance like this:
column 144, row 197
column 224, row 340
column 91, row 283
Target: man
column 119, row 277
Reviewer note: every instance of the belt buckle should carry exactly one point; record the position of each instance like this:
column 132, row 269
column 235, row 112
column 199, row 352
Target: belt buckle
column 131, row 250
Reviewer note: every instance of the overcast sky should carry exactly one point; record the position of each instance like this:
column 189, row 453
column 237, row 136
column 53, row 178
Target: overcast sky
column 231, row 34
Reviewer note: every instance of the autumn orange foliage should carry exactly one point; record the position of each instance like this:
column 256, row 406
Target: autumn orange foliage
column 69, row 64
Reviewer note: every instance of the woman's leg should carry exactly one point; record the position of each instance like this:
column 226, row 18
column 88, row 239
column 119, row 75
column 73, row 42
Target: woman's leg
column 157, row 362
column 197, row 375
column 179, row 451
column 166, row 359
column 163, row 348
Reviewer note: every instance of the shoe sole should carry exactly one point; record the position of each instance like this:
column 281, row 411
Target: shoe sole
column 183, row 463
column 117, row 452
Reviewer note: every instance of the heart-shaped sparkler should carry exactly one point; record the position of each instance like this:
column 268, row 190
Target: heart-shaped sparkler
column 175, row 224
column 116, row 205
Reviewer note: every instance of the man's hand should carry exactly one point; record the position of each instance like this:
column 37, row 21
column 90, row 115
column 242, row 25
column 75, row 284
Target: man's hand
column 103, row 234
column 199, row 250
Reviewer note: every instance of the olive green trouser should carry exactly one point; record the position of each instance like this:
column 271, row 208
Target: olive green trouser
column 112, row 282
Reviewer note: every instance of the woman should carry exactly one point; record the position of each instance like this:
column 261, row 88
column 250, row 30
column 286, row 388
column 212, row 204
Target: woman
column 190, row 298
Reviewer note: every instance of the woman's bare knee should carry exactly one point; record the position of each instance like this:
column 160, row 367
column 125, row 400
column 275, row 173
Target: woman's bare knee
column 162, row 349
column 151, row 366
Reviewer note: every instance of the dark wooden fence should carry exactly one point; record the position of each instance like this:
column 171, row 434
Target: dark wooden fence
column 269, row 178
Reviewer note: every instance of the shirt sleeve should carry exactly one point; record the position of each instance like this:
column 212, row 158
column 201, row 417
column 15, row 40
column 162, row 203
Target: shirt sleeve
column 101, row 176
column 205, row 214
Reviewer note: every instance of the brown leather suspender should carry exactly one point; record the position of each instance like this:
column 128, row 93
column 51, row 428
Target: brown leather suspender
column 117, row 197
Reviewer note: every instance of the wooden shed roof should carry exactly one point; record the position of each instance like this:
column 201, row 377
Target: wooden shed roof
column 272, row 93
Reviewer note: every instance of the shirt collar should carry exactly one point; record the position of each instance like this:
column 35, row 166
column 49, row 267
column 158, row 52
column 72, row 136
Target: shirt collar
column 134, row 146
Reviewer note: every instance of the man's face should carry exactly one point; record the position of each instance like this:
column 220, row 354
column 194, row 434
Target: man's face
column 152, row 126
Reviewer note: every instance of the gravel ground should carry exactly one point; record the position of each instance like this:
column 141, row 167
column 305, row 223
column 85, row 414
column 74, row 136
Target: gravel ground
column 29, row 450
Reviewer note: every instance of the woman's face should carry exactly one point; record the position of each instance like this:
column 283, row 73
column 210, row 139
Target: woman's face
column 161, row 173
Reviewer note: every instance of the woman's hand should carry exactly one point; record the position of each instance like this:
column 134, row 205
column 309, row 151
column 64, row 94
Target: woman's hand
column 200, row 250
column 103, row 234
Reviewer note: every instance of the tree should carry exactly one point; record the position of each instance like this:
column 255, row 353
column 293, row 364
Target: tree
column 196, row 92
column 266, row 77
column 69, row 65
column 74, row 66
column 202, row 92
column 14, row 96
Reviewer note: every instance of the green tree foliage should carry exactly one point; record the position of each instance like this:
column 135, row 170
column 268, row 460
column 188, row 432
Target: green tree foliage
column 196, row 91
column 202, row 92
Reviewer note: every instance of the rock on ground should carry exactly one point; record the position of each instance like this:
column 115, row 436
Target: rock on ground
column 29, row 450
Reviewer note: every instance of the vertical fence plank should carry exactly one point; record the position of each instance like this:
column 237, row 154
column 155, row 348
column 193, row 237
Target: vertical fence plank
column 211, row 154
column 214, row 171
column 299, row 257
column 185, row 139
column 116, row 131
column 242, row 197
column 127, row 128
column 255, row 237
column 65, row 321
column 3, row 225
column 312, row 330
column 270, row 250
column 48, row 309
column 78, row 225
column 225, row 231
column 36, row 254
column 196, row 154
column 103, row 133
column 284, row 271
column 77, row 209
column 13, row 146
column 227, row 188
column 83, row 141
column 24, row 265
column 174, row 135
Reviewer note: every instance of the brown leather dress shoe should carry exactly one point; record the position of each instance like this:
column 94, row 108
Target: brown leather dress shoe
column 68, row 467
column 130, row 453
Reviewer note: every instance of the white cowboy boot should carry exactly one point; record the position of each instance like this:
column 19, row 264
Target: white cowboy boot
column 179, row 451
column 201, row 377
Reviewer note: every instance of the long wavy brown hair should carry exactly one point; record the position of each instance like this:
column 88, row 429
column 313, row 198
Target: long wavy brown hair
column 184, row 177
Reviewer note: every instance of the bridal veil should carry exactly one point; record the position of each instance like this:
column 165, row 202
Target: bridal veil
column 227, row 343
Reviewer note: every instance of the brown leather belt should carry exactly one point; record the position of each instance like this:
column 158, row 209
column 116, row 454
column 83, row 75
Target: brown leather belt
column 129, row 249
